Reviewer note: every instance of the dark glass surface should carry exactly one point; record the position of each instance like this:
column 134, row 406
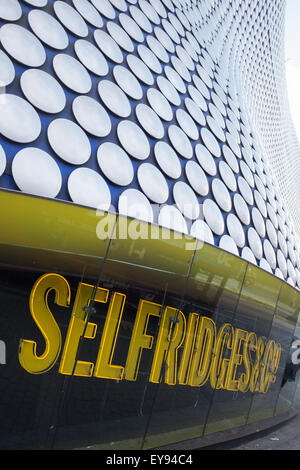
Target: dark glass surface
column 166, row 315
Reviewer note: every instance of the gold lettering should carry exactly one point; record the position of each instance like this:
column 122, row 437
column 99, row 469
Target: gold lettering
column 38, row 304
column 79, row 327
column 185, row 363
column 201, row 361
column 104, row 367
column 170, row 338
column 220, row 363
column 232, row 383
column 140, row 339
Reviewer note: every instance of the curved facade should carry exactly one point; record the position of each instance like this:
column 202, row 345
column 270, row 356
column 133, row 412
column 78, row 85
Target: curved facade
column 119, row 121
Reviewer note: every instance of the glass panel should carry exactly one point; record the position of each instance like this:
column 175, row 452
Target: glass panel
column 46, row 250
column 295, row 361
column 286, row 320
column 249, row 319
column 213, row 287
column 264, row 290
column 139, row 329
column 27, row 401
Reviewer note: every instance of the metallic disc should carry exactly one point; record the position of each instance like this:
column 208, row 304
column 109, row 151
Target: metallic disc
column 186, row 200
column 197, row 178
column 10, row 10
column 115, row 164
column 255, row 243
column 48, row 29
column 91, row 116
column 180, row 141
column 149, row 11
column 159, row 7
column 157, row 48
column 279, row 274
column 43, row 91
column 168, row 90
column 181, row 69
column 133, row 203
column 149, row 121
column 216, row 128
column 230, row 159
column 215, row 113
column 133, row 140
column 35, row 172
column 213, row 216
column 227, row 176
column 91, row 57
column 281, row 261
column 210, row 142
column 164, row 39
column 72, row 73
column 241, row 209
column 185, row 58
column 270, row 254
column 105, row 8
column 187, row 124
column 258, row 222
column 194, row 111
column 260, row 203
column 22, row 45
column 175, row 79
column 272, row 235
column 149, row 58
column 19, row 121
column 108, row 46
column 128, row 82
column 170, row 30
column 141, row 19
column 263, row 264
column 248, row 255
column 272, row 215
column 282, row 243
column 7, row 70
column 69, row 141
column 131, row 27
column 260, row 187
column 140, row 69
column 88, row 12
column 36, row 3
column 247, row 173
column 167, row 159
column 228, row 244
column 200, row 85
column 159, row 104
column 70, row 18
column 197, row 97
column 170, row 217
column 206, row 160
column 2, row 160
column 235, row 230
column 245, row 190
column 221, row 194
column 86, row 187
column 233, row 144
column 201, row 231
column 114, row 98
column 120, row 36
column 153, row 183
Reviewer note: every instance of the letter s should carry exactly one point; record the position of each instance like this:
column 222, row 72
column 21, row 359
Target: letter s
column 46, row 323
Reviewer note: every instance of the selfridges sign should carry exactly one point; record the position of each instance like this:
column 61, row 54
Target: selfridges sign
column 225, row 357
